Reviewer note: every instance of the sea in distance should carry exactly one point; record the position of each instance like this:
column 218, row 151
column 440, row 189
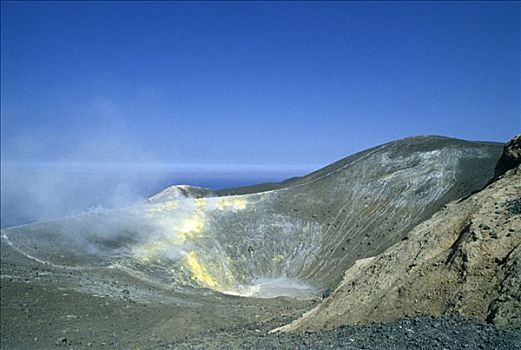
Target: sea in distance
column 34, row 192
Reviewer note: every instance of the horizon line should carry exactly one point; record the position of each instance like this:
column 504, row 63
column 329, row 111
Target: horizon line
column 165, row 166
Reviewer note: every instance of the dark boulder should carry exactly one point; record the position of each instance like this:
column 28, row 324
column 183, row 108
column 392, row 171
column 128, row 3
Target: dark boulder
column 510, row 158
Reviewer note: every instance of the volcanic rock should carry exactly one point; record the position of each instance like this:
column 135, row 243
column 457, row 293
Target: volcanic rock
column 465, row 260
column 510, row 158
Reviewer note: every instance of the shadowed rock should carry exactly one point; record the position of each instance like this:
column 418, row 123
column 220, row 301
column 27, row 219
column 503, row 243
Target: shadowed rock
column 510, row 158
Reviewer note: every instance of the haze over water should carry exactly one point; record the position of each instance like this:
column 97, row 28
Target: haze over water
column 44, row 191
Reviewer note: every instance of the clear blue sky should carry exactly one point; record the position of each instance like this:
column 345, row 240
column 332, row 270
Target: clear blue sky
column 252, row 83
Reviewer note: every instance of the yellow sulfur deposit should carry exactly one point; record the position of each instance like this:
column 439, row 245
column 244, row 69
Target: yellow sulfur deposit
column 188, row 229
column 278, row 258
column 234, row 203
column 216, row 276
column 159, row 208
column 199, row 271
column 200, row 203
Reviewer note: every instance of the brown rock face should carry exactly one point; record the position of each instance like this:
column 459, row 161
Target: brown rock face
column 511, row 156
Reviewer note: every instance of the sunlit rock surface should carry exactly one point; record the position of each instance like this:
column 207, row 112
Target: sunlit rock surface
column 465, row 260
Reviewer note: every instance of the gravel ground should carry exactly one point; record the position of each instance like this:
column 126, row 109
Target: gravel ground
column 44, row 318
column 415, row 333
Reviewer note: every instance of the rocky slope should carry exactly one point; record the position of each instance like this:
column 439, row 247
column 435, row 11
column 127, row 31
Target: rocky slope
column 465, row 260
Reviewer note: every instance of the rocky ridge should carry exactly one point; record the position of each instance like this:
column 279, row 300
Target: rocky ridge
column 178, row 192
column 465, row 260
